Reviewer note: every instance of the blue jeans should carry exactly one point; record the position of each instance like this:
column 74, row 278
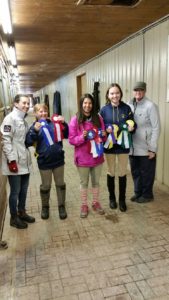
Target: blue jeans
column 18, row 192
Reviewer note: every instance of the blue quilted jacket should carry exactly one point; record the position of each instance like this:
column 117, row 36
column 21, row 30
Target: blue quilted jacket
column 116, row 115
column 48, row 157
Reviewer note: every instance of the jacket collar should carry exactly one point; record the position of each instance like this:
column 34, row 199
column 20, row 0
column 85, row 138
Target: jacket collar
column 18, row 113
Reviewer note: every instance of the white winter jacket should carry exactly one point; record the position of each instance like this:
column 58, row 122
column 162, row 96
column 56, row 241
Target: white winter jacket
column 13, row 132
column 147, row 118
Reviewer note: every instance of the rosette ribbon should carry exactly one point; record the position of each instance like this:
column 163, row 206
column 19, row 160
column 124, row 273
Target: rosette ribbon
column 124, row 138
column 112, row 137
column 58, row 128
column 47, row 133
column 94, row 136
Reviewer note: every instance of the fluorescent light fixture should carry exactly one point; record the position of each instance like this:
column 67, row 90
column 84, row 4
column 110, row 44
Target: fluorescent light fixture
column 12, row 55
column 80, row 2
column 5, row 16
column 15, row 71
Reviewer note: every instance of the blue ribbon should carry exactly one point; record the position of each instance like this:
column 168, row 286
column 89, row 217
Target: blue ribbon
column 47, row 132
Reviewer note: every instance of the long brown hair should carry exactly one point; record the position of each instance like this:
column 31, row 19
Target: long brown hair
column 94, row 114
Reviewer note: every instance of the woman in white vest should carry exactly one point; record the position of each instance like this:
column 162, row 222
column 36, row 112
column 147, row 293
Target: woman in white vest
column 16, row 161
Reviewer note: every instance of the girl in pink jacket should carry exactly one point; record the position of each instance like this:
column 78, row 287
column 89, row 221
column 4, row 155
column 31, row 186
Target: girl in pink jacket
column 86, row 133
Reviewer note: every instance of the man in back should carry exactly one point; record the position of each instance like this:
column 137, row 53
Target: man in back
column 145, row 141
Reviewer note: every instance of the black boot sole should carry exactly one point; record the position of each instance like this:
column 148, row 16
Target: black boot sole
column 62, row 217
column 123, row 208
column 113, row 205
column 44, row 217
column 19, row 227
column 45, row 213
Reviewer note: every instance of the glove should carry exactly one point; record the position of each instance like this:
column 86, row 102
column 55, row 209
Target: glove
column 13, row 166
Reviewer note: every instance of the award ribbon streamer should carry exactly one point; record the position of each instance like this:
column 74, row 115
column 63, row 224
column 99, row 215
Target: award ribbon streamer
column 112, row 137
column 58, row 127
column 124, row 138
column 96, row 145
column 48, row 136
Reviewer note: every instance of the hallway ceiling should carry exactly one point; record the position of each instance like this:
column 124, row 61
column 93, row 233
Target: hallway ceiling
column 52, row 37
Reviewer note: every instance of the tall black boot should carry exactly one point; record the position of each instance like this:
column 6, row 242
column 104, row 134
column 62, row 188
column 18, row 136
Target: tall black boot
column 111, row 188
column 61, row 195
column 122, row 193
column 45, row 195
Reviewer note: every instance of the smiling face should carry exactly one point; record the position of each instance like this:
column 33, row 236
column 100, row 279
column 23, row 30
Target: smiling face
column 87, row 106
column 41, row 111
column 41, row 114
column 114, row 95
column 23, row 104
column 139, row 94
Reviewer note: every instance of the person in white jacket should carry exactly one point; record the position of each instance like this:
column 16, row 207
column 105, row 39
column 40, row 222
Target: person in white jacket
column 16, row 160
column 145, row 142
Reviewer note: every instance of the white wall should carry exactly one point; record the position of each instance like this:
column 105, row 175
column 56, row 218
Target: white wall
column 143, row 57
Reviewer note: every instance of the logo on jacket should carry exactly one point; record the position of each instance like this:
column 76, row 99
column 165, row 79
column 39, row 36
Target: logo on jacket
column 7, row 128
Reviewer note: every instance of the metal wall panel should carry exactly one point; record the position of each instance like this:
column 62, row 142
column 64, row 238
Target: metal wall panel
column 143, row 57
column 156, row 76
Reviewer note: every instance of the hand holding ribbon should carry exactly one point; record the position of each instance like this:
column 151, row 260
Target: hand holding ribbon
column 37, row 126
column 130, row 124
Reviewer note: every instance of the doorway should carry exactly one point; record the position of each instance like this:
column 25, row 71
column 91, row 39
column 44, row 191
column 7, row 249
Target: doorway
column 81, row 87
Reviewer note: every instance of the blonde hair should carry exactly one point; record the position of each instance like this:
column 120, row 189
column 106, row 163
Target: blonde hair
column 38, row 106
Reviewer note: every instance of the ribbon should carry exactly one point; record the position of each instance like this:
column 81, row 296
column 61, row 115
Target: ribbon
column 112, row 137
column 130, row 123
column 58, row 128
column 124, row 138
column 94, row 136
column 47, row 133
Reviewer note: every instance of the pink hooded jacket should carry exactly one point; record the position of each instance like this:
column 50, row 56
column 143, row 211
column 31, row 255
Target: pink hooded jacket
column 82, row 156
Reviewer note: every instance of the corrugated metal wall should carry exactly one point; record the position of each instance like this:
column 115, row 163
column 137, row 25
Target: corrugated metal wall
column 143, row 57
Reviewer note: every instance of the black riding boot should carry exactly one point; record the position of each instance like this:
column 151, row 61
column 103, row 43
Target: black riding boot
column 111, row 188
column 61, row 195
column 122, row 193
column 45, row 195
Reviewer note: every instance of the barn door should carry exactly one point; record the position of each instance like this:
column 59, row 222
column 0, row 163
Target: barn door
column 81, row 87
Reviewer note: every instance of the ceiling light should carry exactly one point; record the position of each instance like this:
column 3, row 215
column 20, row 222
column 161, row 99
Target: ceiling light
column 80, row 2
column 5, row 17
column 12, row 55
column 15, row 71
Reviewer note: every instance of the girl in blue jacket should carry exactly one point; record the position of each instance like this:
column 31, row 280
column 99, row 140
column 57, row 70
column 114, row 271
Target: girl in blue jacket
column 46, row 135
column 118, row 120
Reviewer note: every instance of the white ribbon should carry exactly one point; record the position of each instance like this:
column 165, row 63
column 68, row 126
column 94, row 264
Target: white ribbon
column 57, row 126
column 126, row 141
column 46, row 131
column 93, row 149
column 108, row 141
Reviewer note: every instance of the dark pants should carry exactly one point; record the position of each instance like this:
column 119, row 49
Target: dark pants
column 18, row 192
column 143, row 173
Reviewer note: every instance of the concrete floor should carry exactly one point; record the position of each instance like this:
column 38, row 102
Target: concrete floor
column 118, row 256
